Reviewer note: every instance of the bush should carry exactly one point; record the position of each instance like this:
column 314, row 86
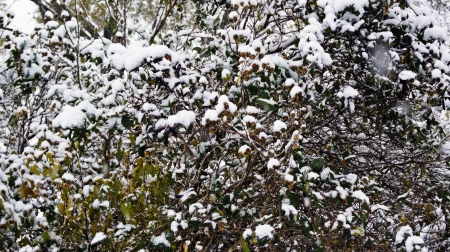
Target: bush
column 264, row 125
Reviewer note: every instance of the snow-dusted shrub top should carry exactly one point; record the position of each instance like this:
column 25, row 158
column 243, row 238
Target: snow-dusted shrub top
column 253, row 125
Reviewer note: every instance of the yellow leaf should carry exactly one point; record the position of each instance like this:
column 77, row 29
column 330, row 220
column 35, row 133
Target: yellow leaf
column 35, row 170
column 50, row 157
column 403, row 219
column 140, row 162
column 54, row 172
column 60, row 208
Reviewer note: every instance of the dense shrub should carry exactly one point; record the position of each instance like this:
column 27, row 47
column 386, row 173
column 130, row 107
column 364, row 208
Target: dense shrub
column 262, row 126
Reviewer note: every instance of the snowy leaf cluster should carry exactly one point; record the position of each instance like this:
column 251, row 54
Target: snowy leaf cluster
column 271, row 125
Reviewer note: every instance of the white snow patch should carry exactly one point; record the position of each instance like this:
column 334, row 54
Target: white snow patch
column 407, row 75
column 100, row 236
column 361, row 196
column 289, row 209
column 183, row 117
column 156, row 240
column 273, row 163
column 186, row 194
column 263, row 231
column 247, row 233
column 348, row 92
column 68, row 176
column 279, row 126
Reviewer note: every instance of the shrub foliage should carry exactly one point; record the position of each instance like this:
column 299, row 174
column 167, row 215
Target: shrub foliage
column 247, row 125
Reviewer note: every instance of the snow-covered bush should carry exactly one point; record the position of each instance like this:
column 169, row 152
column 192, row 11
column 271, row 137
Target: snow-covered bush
column 265, row 125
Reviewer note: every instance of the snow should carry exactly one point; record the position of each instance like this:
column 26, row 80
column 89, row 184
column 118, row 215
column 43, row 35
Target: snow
column 340, row 5
column 400, row 236
column 100, row 236
column 435, row 32
column 312, row 176
column 161, row 239
column 318, row 195
column 123, row 228
column 296, row 90
column 174, row 226
column 132, row 57
column 407, row 75
column 351, row 178
column 246, row 50
column 232, row 15
column 325, row 173
column 225, row 73
column 258, row 46
column 23, row 13
column 28, row 248
column 114, row 87
column 71, row 117
column 186, row 194
column 273, row 163
column 183, row 117
column 306, row 201
column 385, row 36
column 249, row 119
column 64, row 14
column 149, row 107
column 247, row 233
column 96, row 204
column 244, row 149
column 195, row 206
column 74, row 117
column 252, row 110
column 224, row 103
column 68, row 177
column 436, row 73
column 289, row 82
column 289, row 209
column 376, row 207
column 412, row 241
column 279, row 126
column 361, row 196
column 210, row 115
column 342, row 192
column 264, row 231
column 348, row 92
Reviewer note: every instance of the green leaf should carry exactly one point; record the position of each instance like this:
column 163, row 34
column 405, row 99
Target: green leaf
column 245, row 246
column 152, row 169
column 305, row 226
column 111, row 24
column 126, row 209
column 441, row 193
column 126, row 121
column 24, row 241
column 267, row 105
column 319, row 247
column 45, row 236
column 317, row 164
column 133, row 139
column 195, row 225
column 293, row 198
column 226, row 199
column 363, row 220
